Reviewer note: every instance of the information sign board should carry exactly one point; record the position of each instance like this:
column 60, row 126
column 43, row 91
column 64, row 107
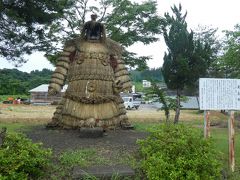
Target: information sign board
column 219, row 94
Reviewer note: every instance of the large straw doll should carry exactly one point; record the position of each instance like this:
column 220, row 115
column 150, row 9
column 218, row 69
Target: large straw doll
column 95, row 75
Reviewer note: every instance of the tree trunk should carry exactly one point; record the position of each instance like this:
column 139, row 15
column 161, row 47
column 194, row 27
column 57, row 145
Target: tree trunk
column 177, row 114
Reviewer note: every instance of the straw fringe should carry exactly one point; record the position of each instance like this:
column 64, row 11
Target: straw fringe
column 127, row 86
column 121, row 106
column 85, row 111
column 72, row 122
column 119, row 100
column 122, row 111
column 123, row 118
column 58, row 111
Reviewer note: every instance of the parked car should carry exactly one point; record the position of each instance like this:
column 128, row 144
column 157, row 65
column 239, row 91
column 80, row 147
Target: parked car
column 130, row 103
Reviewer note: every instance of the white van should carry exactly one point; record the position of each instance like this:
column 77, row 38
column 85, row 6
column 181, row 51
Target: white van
column 129, row 103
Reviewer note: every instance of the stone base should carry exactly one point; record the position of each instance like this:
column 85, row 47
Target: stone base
column 95, row 132
column 103, row 172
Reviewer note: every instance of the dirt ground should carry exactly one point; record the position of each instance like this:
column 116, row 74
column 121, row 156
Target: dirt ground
column 62, row 140
column 43, row 114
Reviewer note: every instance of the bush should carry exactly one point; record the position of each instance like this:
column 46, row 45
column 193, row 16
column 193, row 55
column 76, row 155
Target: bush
column 22, row 159
column 178, row 152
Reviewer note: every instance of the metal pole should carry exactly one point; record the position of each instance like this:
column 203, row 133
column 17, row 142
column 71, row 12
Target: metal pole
column 206, row 124
column 231, row 134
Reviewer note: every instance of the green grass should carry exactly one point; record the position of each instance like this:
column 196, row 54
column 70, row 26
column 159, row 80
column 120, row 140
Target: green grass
column 144, row 126
column 82, row 158
column 220, row 139
column 15, row 127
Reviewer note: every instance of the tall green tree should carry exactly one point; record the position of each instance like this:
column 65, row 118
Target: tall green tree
column 207, row 37
column 126, row 22
column 229, row 62
column 22, row 26
column 187, row 58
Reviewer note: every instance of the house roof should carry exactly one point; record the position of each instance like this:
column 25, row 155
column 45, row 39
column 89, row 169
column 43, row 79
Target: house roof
column 44, row 88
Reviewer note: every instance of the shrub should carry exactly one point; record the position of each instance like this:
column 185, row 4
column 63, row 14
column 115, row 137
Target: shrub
column 22, row 159
column 178, row 152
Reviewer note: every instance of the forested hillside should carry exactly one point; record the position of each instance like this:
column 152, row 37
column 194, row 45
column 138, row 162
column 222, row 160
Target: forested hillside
column 149, row 74
column 13, row 81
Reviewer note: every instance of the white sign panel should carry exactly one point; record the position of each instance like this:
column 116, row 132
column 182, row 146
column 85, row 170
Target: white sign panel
column 219, row 94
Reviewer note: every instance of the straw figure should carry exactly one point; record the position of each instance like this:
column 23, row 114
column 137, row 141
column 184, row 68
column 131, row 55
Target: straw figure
column 95, row 74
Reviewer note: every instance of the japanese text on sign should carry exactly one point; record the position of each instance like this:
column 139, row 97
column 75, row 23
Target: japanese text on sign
column 219, row 94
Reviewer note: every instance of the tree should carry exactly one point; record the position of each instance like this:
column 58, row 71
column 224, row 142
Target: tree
column 207, row 37
column 187, row 58
column 161, row 97
column 126, row 22
column 229, row 61
column 13, row 81
column 22, row 26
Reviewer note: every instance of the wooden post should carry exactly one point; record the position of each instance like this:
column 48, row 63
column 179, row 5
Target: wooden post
column 231, row 134
column 206, row 124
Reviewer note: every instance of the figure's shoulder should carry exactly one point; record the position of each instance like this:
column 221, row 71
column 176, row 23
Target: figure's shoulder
column 73, row 41
column 114, row 46
column 87, row 23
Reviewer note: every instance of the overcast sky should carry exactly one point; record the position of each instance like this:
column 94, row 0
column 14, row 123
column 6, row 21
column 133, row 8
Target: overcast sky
column 222, row 14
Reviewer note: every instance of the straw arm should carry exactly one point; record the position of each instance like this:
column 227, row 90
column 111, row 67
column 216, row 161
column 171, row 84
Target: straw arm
column 59, row 76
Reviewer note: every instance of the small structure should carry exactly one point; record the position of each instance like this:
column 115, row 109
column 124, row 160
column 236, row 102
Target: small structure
column 146, row 83
column 39, row 95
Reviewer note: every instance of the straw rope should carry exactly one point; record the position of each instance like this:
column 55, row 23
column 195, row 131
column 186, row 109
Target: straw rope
column 121, row 73
column 58, row 76
column 63, row 58
column 55, row 86
column 63, row 64
column 61, row 70
column 57, row 81
column 96, row 99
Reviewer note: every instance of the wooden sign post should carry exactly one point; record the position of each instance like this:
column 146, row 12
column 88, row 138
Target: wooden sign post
column 231, row 134
column 220, row 94
column 206, row 124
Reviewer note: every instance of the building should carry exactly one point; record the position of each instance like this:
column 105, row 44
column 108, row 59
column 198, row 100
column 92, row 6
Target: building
column 39, row 95
column 146, row 83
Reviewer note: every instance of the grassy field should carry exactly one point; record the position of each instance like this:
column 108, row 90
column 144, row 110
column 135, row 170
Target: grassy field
column 16, row 117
